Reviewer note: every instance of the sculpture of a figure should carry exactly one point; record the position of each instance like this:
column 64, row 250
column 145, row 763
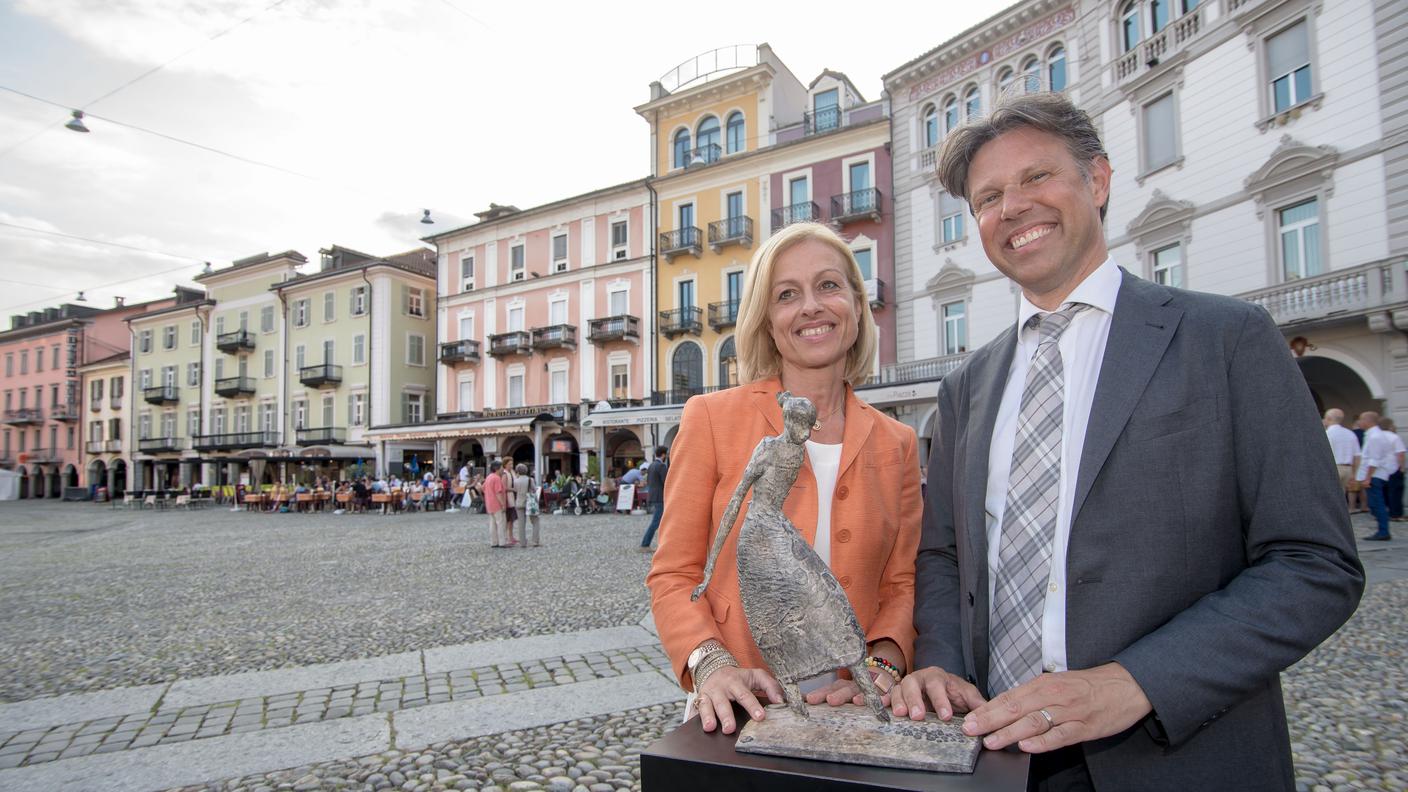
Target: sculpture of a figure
column 797, row 612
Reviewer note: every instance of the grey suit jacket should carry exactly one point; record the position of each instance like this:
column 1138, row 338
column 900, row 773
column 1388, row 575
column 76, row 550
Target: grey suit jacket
column 1209, row 548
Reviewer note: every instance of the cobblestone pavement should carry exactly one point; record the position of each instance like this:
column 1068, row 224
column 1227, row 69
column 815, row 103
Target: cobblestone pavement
column 98, row 598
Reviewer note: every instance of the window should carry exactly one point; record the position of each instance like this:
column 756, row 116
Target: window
column 144, row 379
column 858, row 177
column 168, row 376
column 620, row 381
column 865, row 261
column 685, row 222
column 415, row 407
column 466, row 272
column 95, row 431
column 1129, row 26
column 1168, row 266
column 217, row 420
column 515, row 318
column 328, row 306
column 687, row 369
column 300, row 313
column 466, row 395
column 168, row 424
column 955, row 340
column 1160, row 133
column 168, row 337
column 972, row 103
column 9, row 364
column 53, row 395
column 219, row 368
column 415, row 349
column 618, row 300
column 931, row 126
column 144, row 345
column 950, row 114
column 827, row 110
column 267, row 417
column 300, row 356
column 559, row 253
column 619, row 240
column 1299, row 227
column 951, row 210
column 144, row 426
column 219, row 325
column 1004, row 79
column 359, row 350
column 193, row 375
column 415, row 301
column 359, row 301
column 115, row 388
column 244, row 320
column 266, row 319
column 681, row 148
column 114, row 428
column 95, row 392
column 38, row 359
column 268, row 363
column 515, row 263
column 1031, row 75
column 327, row 409
column 728, row 363
column 557, row 311
column 707, row 141
column 686, row 295
column 515, row 390
column 192, row 422
column 1288, row 65
column 557, row 387
column 329, row 352
column 356, row 409
column 300, row 414
column 1056, row 69
column 195, row 332
column 735, row 134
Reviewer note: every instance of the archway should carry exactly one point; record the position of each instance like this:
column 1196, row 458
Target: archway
column 24, row 481
column 467, row 450
column 97, row 473
column 119, row 478
column 623, row 450
column 516, row 449
column 70, row 476
column 560, row 453
column 1334, row 384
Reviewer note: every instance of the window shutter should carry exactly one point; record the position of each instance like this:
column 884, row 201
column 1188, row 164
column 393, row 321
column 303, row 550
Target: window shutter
column 405, row 299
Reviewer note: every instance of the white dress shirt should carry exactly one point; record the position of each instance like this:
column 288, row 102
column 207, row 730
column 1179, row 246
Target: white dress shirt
column 1343, row 444
column 1082, row 350
column 1378, row 453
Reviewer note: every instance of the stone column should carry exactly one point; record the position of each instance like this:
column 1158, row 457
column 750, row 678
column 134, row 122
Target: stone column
column 188, row 474
column 112, row 480
column 232, row 470
column 139, row 475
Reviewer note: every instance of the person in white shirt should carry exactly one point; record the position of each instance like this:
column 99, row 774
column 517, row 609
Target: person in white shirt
column 1377, row 462
column 1394, row 493
column 1345, row 446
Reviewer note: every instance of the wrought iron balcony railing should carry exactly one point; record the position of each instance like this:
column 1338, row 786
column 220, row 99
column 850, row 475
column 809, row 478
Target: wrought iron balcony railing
column 614, row 328
column 236, row 440
column 234, row 386
column 28, row 415
column 558, row 336
column 922, row 370
column 822, row 119
column 320, row 375
column 679, row 242
column 679, row 321
column 161, row 394
column 517, row 342
column 321, row 436
column 151, row 445
column 731, row 231
column 41, row 455
column 856, row 205
column 235, row 341
column 561, row 413
column 805, row 212
column 707, row 154
column 64, row 412
column 723, row 314
column 466, row 350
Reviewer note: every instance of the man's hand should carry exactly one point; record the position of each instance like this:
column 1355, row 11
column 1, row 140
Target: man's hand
column 730, row 684
column 1056, row 710
column 948, row 693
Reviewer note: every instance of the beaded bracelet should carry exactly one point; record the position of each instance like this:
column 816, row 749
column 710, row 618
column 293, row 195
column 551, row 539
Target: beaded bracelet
column 871, row 661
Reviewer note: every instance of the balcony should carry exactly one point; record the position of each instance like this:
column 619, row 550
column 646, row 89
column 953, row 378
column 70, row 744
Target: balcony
column 320, row 375
column 1146, row 56
column 731, row 231
column 112, row 446
column 921, row 370
column 234, row 386
column 463, row 351
column 115, row 403
column 929, row 159
column 875, row 292
column 561, row 413
column 24, row 416
column 64, row 412
column 707, row 154
column 805, row 212
column 822, row 119
column 517, row 342
column 681, row 395
column 162, row 394
column 623, row 327
column 234, row 342
column 233, row 441
column 1347, row 294
column 679, row 242
column 157, row 445
column 558, row 336
column 680, row 321
column 723, row 314
column 94, row 447
column 40, row 456
column 856, row 205
column 323, row 435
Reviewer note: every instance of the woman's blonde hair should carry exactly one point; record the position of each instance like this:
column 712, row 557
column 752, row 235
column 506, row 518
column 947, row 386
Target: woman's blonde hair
column 757, row 354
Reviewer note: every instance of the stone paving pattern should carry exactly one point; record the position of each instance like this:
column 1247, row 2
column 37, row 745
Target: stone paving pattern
column 292, row 590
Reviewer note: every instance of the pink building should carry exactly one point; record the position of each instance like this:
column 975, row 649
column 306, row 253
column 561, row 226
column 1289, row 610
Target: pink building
column 543, row 314
column 42, row 351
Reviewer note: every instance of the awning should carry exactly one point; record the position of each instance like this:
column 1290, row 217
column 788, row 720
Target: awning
column 634, row 416
column 456, row 430
column 335, row 452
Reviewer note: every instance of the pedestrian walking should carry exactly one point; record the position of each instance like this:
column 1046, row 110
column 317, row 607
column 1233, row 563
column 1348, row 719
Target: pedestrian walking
column 1395, row 481
column 526, row 494
column 1377, row 462
column 1345, row 447
column 496, row 503
column 655, row 487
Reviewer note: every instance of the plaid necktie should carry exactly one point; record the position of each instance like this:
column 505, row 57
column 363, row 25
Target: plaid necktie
column 1029, row 519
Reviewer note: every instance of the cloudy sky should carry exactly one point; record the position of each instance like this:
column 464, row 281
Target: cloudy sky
column 349, row 116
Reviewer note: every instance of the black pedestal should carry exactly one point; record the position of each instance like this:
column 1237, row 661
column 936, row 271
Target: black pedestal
column 690, row 760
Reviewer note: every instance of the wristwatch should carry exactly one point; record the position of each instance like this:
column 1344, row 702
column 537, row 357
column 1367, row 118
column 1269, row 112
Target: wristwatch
column 700, row 652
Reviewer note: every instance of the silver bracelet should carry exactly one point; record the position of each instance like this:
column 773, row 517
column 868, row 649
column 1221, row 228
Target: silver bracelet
column 712, row 662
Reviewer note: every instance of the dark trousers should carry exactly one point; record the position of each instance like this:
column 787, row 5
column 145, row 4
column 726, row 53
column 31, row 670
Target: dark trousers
column 656, row 510
column 1395, row 495
column 1378, row 503
column 1061, row 770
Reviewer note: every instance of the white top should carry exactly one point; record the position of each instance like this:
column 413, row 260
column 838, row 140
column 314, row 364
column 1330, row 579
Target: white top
column 1082, row 350
column 1380, row 453
column 825, row 459
column 1343, row 443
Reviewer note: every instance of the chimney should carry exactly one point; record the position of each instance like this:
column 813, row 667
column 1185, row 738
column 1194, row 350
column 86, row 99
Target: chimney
column 119, row 301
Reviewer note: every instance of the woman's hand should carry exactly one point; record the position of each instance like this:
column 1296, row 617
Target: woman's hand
column 845, row 690
column 730, row 684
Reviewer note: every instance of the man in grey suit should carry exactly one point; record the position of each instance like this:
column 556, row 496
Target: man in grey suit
column 1133, row 522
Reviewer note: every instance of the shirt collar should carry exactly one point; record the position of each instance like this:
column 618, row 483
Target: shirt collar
column 1099, row 290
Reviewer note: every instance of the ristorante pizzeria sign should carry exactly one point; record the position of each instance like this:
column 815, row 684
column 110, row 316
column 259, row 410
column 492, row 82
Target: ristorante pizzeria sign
column 972, row 62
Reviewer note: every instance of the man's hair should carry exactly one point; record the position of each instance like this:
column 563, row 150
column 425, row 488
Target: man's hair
column 495, row 465
column 661, row 450
column 1051, row 113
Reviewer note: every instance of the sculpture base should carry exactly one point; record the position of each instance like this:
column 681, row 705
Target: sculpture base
column 852, row 734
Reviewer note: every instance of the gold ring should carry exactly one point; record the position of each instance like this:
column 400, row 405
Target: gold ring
column 1049, row 722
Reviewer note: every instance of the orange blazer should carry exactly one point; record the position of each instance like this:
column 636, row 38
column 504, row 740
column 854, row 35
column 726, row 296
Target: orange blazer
column 875, row 518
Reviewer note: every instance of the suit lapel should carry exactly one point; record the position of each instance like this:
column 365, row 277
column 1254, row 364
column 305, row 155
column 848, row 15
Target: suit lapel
column 859, row 421
column 1140, row 331
column 765, row 399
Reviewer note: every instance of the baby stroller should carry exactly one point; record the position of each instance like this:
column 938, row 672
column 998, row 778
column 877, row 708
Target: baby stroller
column 584, row 499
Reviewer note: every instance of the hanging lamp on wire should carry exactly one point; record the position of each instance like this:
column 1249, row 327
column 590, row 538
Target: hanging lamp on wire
column 80, row 298
column 76, row 123
column 425, row 218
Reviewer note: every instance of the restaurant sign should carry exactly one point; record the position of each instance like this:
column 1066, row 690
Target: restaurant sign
column 974, row 61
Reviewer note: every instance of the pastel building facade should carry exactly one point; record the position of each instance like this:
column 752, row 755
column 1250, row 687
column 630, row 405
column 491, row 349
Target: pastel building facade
column 106, row 429
column 543, row 318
